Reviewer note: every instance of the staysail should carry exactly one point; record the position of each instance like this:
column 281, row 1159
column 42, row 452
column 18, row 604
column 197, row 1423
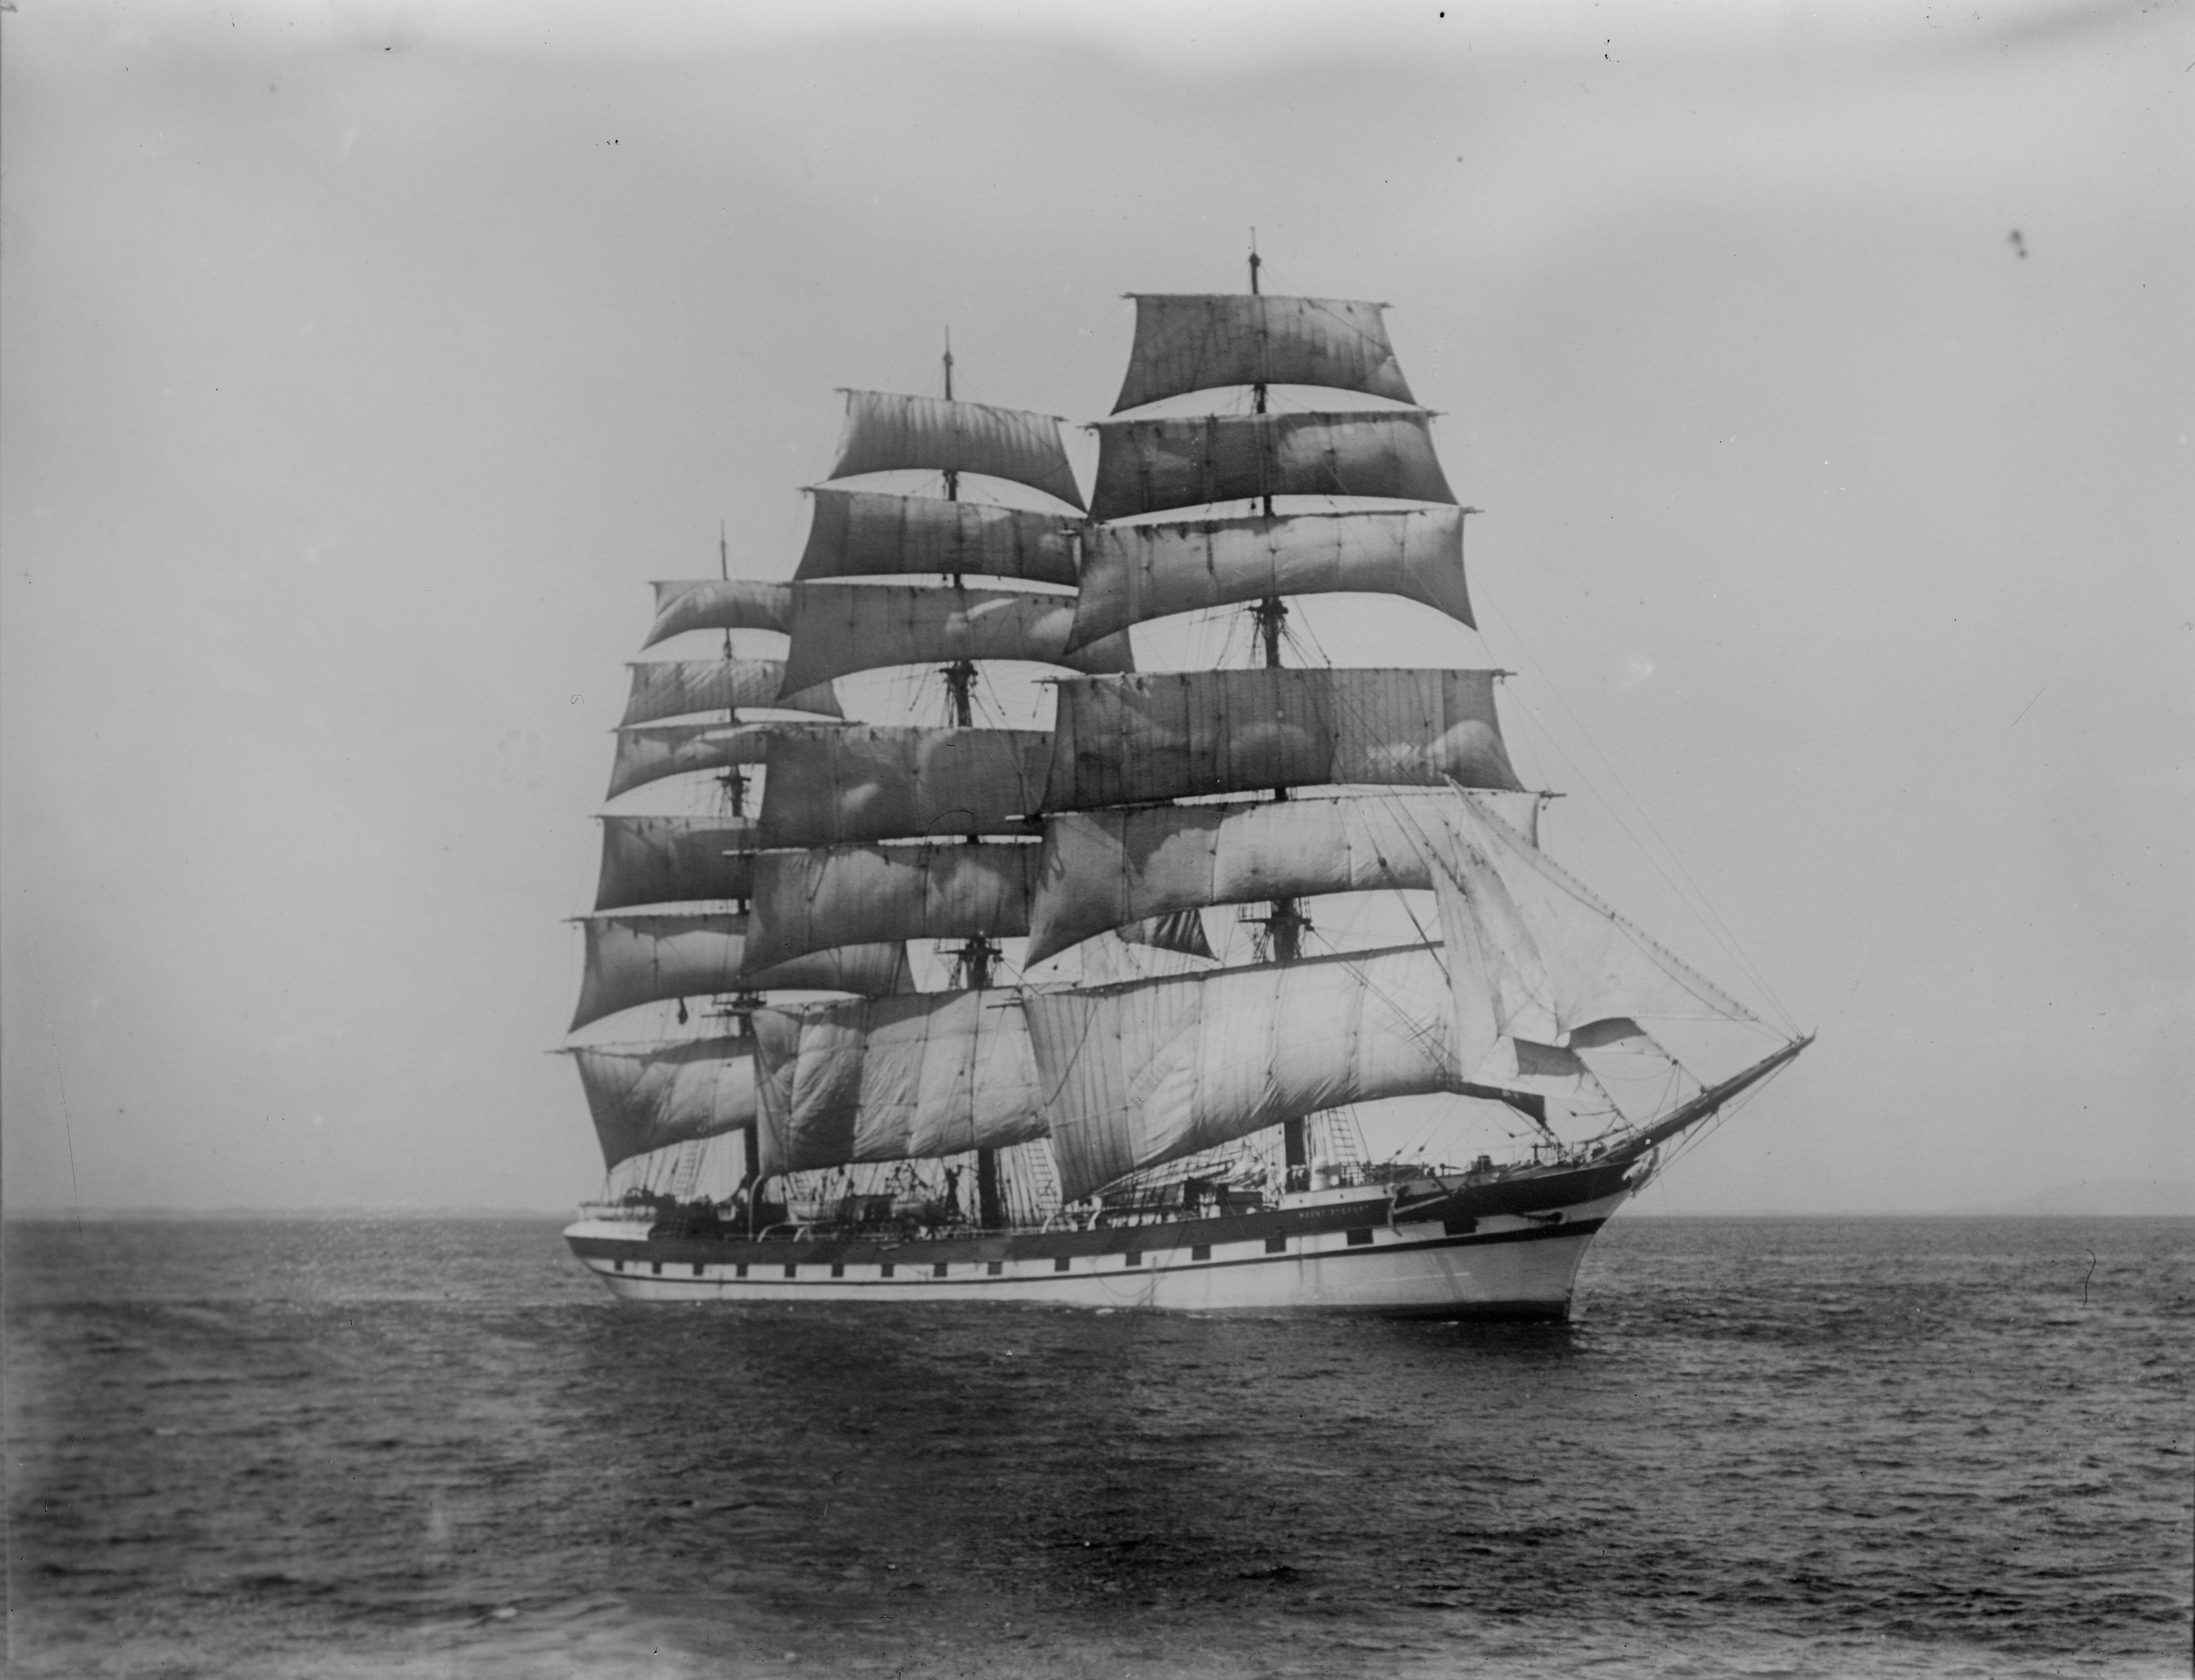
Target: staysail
column 650, row 1096
column 1134, row 572
column 673, row 687
column 926, row 1076
column 879, row 782
column 886, row 432
column 672, row 859
column 632, row 960
column 1105, row 868
column 1136, row 1075
column 834, row 896
column 1194, row 341
column 839, row 629
column 1125, row 741
column 1147, row 466
column 718, row 604
column 1534, row 959
column 856, row 533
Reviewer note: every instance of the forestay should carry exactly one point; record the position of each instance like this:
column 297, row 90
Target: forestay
column 674, row 688
column 841, row 628
column 858, row 533
column 835, row 895
column 1133, row 573
column 647, row 752
column 886, row 432
column 1145, row 466
column 649, row 1097
column 1125, row 741
column 718, row 604
column 632, row 960
column 934, row 1074
column 1103, row 869
column 669, row 860
column 1535, row 960
column 878, row 782
column 1197, row 341
column 1136, row 1075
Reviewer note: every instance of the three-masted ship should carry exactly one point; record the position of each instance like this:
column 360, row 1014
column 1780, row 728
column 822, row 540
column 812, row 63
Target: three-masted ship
column 970, row 1012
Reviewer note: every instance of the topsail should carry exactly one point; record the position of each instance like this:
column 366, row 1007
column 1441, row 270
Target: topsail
column 647, row 752
column 1126, row 740
column 1132, row 572
column 1197, row 341
column 885, row 432
column 883, row 782
column 839, row 629
column 670, row 859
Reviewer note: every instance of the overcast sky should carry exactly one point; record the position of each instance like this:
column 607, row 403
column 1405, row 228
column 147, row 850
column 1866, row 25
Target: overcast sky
column 1827, row 382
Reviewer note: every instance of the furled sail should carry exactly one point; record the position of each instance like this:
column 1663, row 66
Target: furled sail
column 841, row 628
column 1128, row 740
column 674, row 688
column 632, row 960
column 1132, row 572
column 1194, row 341
column 834, row 896
column 886, row 432
column 938, row 1073
column 878, row 782
column 1534, row 959
column 669, row 859
column 1103, row 869
column 718, row 604
column 647, row 752
column 650, row 1096
column 1144, row 466
column 1142, row 1074
column 858, row 533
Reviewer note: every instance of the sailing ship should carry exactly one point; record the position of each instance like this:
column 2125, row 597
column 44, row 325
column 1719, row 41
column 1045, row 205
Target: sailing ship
column 1047, row 1015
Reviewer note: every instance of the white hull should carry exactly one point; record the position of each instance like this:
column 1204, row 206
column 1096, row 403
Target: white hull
column 1507, row 1267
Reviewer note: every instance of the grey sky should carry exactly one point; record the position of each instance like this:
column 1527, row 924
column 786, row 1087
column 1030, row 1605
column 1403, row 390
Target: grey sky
column 361, row 366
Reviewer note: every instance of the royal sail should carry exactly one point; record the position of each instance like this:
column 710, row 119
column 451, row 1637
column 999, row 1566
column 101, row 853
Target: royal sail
column 1128, row 740
column 937, row 1074
column 1194, row 341
column 885, row 432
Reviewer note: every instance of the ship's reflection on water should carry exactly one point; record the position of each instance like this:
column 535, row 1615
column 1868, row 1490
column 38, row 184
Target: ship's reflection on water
column 253, row 1451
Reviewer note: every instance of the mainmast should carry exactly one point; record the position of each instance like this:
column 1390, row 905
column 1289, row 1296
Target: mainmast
column 1285, row 923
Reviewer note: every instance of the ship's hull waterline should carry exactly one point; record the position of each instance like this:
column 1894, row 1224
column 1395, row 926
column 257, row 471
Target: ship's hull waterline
column 1349, row 1251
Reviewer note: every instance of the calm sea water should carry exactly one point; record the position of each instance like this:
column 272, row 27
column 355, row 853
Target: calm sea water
column 1767, row 1448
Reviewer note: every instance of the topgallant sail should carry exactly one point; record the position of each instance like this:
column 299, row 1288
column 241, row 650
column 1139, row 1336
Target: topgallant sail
column 1043, row 1013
